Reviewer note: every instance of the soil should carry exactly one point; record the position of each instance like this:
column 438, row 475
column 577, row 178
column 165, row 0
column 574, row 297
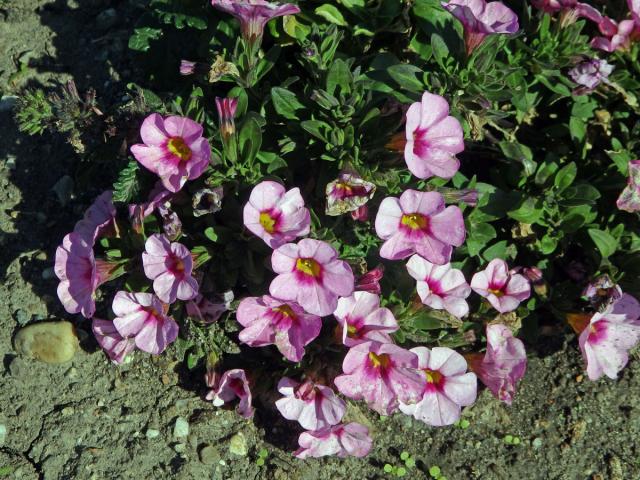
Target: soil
column 88, row 419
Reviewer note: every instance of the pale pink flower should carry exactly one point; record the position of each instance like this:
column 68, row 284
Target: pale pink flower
column 169, row 265
column 448, row 387
column 314, row 406
column 98, row 218
column 144, row 317
column 615, row 36
column 114, row 345
column 571, row 10
column 370, row 281
column 419, row 223
column 226, row 115
column 276, row 215
column 362, row 319
column 629, row 199
column 504, row 290
column 503, row 364
column 433, row 138
column 311, row 274
column 286, row 325
column 480, row 18
column 609, row 336
column 348, row 193
column 173, row 148
column 232, row 384
column 207, row 311
column 589, row 74
column 187, row 67
column 441, row 287
column 634, row 8
column 341, row 440
column 138, row 212
column 382, row 374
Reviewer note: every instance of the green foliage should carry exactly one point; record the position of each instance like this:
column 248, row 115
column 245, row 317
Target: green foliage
column 128, row 184
column 34, row 113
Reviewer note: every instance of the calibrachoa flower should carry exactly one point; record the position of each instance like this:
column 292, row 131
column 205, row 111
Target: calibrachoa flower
column 314, row 406
column 382, row 374
column 114, row 345
column 607, row 339
column 173, row 148
column 361, row 214
column 504, row 290
column 602, row 291
column 138, row 212
column 348, row 193
column 311, row 274
column 253, row 15
column 480, row 18
column 144, row 317
column 269, row 321
column 590, row 73
column 226, row 114
column 169, row 265
column 362, row 319
column 571, row 10
column 341, row 440
column 370, row 281
column 98, row 218
column 419, row 223
column 614, row 35
column 440, row 286
column 629, row 199
column 232, row 384
column 448, row 388
column 187, row 67
column 432, row 138
column 276, row 215
column 503, row 364
column 207, row 201
column 207, row 311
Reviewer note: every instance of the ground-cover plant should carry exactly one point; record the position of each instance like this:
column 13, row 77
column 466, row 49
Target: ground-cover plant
column 369, row 201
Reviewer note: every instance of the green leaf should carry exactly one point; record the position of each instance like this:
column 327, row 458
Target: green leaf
column 578, row 129
column 565, row 177
column 440, row 49
column 405, row 76
column 331, row 14
column 479, row 236
column 285, row 103
column 128, row 184
column 529, row 211
column 605, row 242
column 250, row 139
column 211, row 234
column 339, row 76
column 521, row 153
column 142, row 37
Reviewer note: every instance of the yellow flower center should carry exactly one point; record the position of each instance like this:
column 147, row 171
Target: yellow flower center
column 180, row 149
column 414, row 221
column 351, row 330
column 308, row 266
column 267, row 222
column 286, row 311
column 378, row 361
column 433, row 376
column 496, row 292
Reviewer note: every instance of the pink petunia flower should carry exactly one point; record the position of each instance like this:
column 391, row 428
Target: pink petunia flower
column 589, row 74
column 504, row 290
column 503, row 364
column 433, row 138
column 448, row 388
column 615, row 36
column 226, row 114
column 440, row 286
column 80, row 274
column 232, row 384
column 348, row 193
column 629, row 199
column 144, row 317
column 480, row 18
column 314, row 406
column 138, row 212
column 114, row 345
column 311, row 274
column 276, row 215
column 370, row 281
column 253, row 15
column 419, row 223
column 173, row 148
column 207, row 311
column 571, row 10
column 362, row 319
column 98, row 218
column 341, row 440
column 634, row 8
column 269, row 321
column 607, row 339
column 187, row 67
column 169, row 265
column 382, row 374
column 361, row 214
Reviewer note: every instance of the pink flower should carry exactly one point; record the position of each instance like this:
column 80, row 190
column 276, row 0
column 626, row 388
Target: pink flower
column 571, row 10
column 503, row 289
column 310, row 274
column 370, row 281
column 348, row 193
column 361, row 214
column 232, row 384
column 138, row 212
column 342, row 440
column 80, row 274
column 589, row 74
column 634, row 8
column 419, row 223
column 169, row 265
column 433, row 138
column 615, row 36
column 503, row 364
column 382, row 374
column 362, row 319
column 314, row 406
column 480, row 19
column 275, row 215
column 144, row 317
column 629, row 199
column 609, row 336
column 173, row 148
column 448, row 387
column 187, row 67
column 440, row 286
column 98, row 218
column 209, row 312
column 269, row 321
column 602, row 292
column 114, row 345
column 226, row 114
column 253, row 15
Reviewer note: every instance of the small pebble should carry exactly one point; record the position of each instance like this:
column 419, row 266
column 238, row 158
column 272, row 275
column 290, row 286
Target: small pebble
column 68, row 411
column 180, row 448
column 537, row 443
column 152, row 433
column 181, row 428
column 209, row 455
column 48, row 273
column 3, row 434
column 238, row 445
column 49, row 342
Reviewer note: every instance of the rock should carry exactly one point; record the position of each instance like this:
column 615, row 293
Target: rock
column 152, row 433
column 49, row 342
column 48, row 273
column 537, row 443
column 3, row 434
column 238, row 445
column 180, row 448
column 63, row 189
column 106, row 19
column 181, row 428
column 7, row 102
column 209, row 455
